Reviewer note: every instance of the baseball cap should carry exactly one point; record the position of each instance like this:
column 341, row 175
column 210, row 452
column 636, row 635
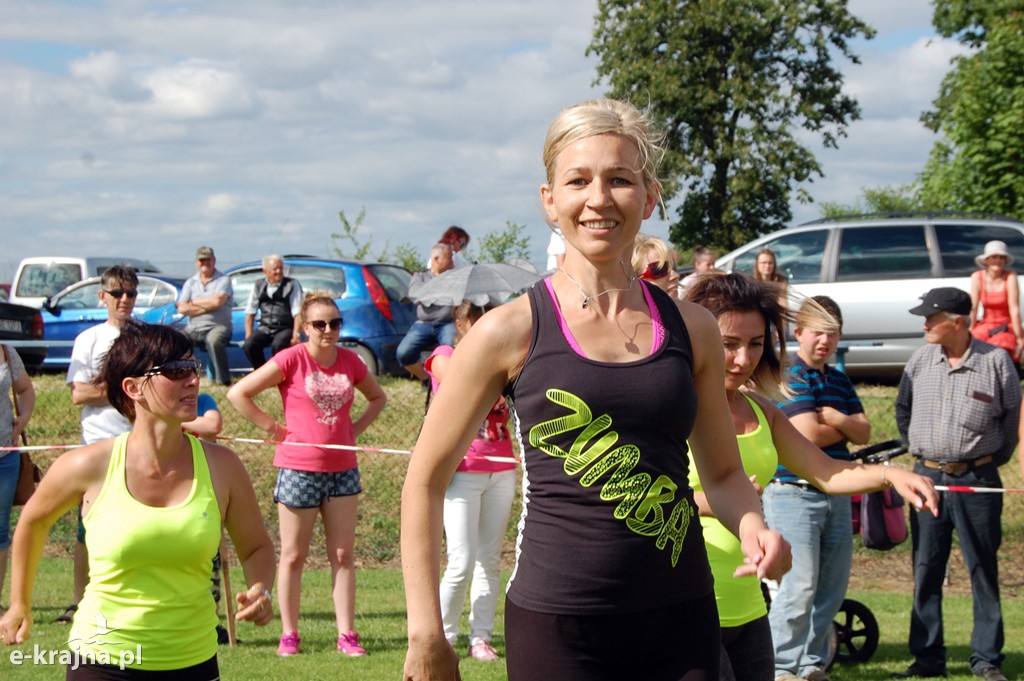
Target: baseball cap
column 943, row 299
column 204, row 252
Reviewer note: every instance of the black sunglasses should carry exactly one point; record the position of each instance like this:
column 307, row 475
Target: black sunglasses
column 176, row 369
column 321, row 324
column 118, row 292
column 655, row 270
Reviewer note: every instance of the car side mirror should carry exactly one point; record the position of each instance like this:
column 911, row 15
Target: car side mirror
column 51, row 308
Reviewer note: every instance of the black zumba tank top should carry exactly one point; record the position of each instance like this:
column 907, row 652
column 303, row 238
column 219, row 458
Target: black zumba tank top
column 609, row 523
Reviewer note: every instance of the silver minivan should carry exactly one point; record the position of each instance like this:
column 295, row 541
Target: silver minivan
column 876, row 267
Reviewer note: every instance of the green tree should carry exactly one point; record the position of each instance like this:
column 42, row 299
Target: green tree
column 504, row 244
column 732, row 81
column 409, row 257
column 349, row 244
column 976, row 164
column 873, row 200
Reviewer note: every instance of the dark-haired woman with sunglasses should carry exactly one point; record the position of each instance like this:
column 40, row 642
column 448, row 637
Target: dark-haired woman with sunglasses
column 750, row 318
column 154, row 502
column 317, row 381
column 655, row 262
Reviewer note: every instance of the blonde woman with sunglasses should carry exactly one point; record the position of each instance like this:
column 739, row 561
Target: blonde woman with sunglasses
column 317, row 381
column 155, row 502
column 654, row 261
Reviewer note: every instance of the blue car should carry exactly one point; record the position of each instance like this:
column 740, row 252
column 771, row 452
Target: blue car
column 372, row 298
column 78, row 307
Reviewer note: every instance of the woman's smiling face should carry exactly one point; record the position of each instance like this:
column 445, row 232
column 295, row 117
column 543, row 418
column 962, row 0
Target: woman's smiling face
column 598, row 197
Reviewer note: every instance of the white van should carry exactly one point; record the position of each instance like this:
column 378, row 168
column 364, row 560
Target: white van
column 876, row 267
column 37, row 279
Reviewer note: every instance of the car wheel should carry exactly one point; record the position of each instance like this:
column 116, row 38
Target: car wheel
column 365, row 354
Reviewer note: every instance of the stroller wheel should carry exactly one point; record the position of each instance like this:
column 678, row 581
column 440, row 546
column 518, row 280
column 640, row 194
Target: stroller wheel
column 856, row 633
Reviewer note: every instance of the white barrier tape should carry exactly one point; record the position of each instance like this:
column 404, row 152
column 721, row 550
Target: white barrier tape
column 496, row 459
column 355, row 448
column 38, row 448
column 978, row 490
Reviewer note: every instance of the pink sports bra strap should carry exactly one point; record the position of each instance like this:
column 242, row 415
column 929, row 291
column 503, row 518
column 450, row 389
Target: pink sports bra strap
column 659, row 327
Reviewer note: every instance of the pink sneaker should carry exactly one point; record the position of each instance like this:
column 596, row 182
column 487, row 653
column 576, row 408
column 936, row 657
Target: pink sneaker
column 289, row 644
column 349, row 644
column 482, row 650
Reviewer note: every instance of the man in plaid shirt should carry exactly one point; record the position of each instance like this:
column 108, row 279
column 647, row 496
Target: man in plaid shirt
column 958, row 407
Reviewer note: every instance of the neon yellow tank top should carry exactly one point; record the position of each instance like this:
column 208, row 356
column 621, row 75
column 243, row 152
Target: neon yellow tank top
column 739, row 599
column 149, row 574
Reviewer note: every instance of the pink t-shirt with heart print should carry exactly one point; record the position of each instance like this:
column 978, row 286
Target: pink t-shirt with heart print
column 317, row 405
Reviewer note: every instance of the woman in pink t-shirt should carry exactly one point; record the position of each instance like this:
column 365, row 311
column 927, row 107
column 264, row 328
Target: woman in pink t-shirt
column 476, row 510
column 317, row 381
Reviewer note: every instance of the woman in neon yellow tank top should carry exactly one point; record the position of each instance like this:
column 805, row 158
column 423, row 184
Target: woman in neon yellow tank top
column 748, row 312
column 154, row 502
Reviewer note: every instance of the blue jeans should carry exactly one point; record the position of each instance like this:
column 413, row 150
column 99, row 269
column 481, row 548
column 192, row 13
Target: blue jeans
column 819, row 529
column 10, row 467
column 423, row 337
column 976, row 519
column 215, row 342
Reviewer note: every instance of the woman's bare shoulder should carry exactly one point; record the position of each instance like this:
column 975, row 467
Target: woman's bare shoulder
column 502, row 336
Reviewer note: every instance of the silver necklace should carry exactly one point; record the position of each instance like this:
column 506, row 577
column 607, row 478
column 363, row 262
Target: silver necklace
column 587, row 297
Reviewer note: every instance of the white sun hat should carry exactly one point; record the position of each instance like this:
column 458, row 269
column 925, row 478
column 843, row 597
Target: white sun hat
column 994, row 248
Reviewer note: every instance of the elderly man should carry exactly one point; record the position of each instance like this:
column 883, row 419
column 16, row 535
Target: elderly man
column 278, row 299
column 958, row 407
column 433, row 325
column 206, row 299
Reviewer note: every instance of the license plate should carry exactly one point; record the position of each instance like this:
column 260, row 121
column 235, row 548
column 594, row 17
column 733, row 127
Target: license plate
column 10, row 325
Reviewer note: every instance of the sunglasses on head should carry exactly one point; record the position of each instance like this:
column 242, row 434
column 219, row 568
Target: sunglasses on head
column 118, row 292
column 176, row 369
column 322, row 324
column 655, row 270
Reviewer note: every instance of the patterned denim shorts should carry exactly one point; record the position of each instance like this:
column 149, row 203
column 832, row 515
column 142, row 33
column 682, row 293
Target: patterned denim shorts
column 306, row 489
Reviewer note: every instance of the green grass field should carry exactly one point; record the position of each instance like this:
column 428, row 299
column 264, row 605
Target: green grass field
column 880, row 580
column 380, row 618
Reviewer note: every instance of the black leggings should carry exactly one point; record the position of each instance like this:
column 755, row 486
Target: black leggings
column 747, row 652
column 676, row 643
column 204, row 671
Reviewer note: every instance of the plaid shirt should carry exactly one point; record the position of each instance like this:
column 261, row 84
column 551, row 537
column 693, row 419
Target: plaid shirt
column 959, row 413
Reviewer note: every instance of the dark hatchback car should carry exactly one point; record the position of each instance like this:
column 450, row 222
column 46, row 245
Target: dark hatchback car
column 372, row 298
column 21, row 327
column 78, row 307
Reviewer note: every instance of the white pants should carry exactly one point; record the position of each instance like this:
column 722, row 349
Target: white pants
column 476, row 512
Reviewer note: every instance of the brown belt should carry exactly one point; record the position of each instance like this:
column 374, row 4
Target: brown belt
column 956, row 467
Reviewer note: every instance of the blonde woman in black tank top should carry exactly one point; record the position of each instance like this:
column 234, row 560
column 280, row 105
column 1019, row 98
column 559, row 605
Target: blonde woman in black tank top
column 601, row 185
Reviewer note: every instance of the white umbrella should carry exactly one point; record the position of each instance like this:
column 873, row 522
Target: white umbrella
column 481, row 284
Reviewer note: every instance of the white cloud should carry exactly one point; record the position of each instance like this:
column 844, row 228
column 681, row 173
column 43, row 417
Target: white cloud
column 145, row 128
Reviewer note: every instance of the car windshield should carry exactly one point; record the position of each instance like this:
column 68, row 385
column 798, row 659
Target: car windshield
column 46, row 279
column 329, row 280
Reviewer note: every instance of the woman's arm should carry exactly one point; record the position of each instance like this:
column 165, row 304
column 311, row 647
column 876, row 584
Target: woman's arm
column 488, row 357
column 375, row 401
column 1013, row 298
column 25, row 394
column 240, row 513
column 834, row 476
column 717, row 457
column 976, row 277
column 242, row 393
column 61, row 489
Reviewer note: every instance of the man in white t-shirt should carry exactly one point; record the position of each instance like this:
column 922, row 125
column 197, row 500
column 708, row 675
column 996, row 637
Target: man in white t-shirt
column 119, row 287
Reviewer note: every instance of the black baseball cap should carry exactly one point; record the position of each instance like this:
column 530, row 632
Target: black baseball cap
column 944, row 299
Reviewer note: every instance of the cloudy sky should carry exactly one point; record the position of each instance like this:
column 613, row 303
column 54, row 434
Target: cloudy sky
column 147, row 128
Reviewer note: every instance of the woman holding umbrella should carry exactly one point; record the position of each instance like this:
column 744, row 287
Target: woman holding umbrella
column 608, row 379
